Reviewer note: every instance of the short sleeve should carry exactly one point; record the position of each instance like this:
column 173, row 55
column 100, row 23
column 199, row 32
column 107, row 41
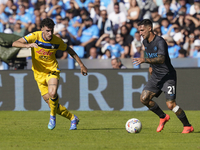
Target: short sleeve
column 62, row 46
column 162, row 47
column 30, row 38
column 121, row 49
column 95, row 31
column 108, row 47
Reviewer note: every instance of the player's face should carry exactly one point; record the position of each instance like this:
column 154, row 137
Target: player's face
column 47, row 33
column 144, row 31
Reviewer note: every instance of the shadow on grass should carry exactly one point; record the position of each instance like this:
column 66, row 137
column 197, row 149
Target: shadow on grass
column 196, row 132
column 103, row 129
column 190, row 133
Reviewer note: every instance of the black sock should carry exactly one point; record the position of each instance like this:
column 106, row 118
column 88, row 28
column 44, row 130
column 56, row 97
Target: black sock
column 156, row 109
column 183, row 119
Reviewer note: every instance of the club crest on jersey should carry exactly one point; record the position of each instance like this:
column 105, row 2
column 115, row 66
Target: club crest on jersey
column 155, row 48
column 52, row 46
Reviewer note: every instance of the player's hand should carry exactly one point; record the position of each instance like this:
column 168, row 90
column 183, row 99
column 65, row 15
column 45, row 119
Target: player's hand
column 84, row 70
column 31, row 45
column 137, row 61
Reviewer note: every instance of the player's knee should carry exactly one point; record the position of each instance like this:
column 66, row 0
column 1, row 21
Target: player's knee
column 171, row 104
column 144, row 100
column 52, row 94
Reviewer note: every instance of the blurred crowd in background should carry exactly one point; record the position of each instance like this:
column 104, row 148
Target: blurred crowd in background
column 103, row 29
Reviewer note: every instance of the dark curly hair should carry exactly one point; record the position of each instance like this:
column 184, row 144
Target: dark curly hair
column 48, row 23
column 146, row 22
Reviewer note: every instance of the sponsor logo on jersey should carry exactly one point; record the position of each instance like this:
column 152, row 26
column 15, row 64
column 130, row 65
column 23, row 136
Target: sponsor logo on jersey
column 152, row 55
column 155, row 48
column 29, row 35
column 43, row 52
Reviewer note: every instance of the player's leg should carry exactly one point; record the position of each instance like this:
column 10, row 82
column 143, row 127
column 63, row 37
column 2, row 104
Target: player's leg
column 53, row 80
column 53, row 96
column 42, row 85
column 53, row 101
column 148, row 93
column 146, row 99
column 171, row 104
column 46, row 98
column 62, row 110
column 170, row 93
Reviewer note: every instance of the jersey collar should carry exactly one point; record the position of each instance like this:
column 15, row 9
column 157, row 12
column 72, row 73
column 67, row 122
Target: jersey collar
column 153, row 39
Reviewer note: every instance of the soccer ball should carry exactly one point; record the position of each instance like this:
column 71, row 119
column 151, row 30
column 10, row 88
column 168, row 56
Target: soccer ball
column 133, row 125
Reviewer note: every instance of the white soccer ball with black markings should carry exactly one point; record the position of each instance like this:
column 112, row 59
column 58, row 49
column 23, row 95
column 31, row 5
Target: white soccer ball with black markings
column 133, row 126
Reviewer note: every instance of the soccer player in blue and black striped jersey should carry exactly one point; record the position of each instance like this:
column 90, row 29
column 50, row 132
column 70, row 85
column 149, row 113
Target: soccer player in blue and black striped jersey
column 163, row 76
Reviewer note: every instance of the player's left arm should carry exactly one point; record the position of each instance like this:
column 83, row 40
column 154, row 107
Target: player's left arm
column 75, row 56
column 157, row 60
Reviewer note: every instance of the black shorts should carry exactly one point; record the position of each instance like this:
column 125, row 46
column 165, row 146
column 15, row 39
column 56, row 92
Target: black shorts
column 167, row 85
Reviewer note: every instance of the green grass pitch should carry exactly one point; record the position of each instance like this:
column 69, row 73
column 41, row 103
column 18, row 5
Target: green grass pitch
column 97, row 130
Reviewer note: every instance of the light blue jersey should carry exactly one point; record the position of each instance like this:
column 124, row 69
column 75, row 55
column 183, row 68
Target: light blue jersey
column 24, row 18
column 73, row 31
column 8, row 11
column 74, row 20
column 116, row 50
column 165, row 30
column 83, row 5
column 173, row 51
column 105, row 3
column 196, row 54
column 4, row 17
column 88, row 33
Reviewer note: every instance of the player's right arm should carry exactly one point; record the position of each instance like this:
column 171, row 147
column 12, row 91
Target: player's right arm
column 23, row 44
column 160, row 59
column 75, row 56
column 157, row 60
